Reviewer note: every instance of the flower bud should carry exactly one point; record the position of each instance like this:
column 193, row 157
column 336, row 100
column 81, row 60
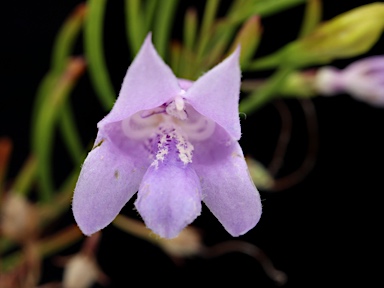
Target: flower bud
column 347, row 35
column 363, row 80
column 259, row 174
column 19, row 218
column 80, row 272
column 187, row 243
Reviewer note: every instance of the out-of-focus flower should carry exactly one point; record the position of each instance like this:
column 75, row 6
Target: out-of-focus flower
column 18, row 218
column 363, row 79
column 176, row 143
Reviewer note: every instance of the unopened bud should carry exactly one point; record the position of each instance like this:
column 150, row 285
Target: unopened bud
column 187, row 243
column 259, row 174
column 362, row 79
column 81, row 271
column 347, row 35
column 19, row 218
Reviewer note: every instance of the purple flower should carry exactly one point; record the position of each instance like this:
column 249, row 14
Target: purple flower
column 363, row 80
column 175, row 142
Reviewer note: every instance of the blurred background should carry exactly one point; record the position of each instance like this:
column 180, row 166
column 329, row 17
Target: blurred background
column 321, row 232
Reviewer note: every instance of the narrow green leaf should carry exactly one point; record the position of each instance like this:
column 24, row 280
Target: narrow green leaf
column 260, row 97
column 149, row 12
column 206, row 26
column 248, row 38
column 162, row 29
column 190, row 28
column 66, row 38
column 93, row 45
column 25, row 177
column 312, row 17
column 43, row 129
column 70, row 134
column 134, row 25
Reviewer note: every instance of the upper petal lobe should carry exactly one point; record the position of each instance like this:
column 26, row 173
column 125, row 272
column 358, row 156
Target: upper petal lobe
column 149, row 83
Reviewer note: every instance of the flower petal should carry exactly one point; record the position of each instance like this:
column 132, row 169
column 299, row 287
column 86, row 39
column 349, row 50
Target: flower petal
column 216, row 94
column 227, row 188
column 107, row 180
column 169, row 199
column 149, row 83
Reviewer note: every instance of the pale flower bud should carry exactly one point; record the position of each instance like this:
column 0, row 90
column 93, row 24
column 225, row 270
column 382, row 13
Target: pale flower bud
column 187, row 243
column 19, row 218
column 80, row 272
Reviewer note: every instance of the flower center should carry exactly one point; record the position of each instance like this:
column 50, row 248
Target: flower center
column 171, row 146
column 169, row 130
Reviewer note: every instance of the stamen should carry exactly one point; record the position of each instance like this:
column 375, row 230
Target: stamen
column 179, row 101
column 169, row 140
column 176, row 108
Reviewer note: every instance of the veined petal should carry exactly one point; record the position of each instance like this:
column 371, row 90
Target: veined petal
column 227, row 189
column 149, row 83
column 107, row 180
column 216, row 94
column 169, row 198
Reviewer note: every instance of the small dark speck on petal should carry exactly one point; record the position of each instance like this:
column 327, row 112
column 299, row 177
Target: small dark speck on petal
column 117, row 174
column 98, row 144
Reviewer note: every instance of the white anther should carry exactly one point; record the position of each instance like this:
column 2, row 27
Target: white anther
column 179, row 102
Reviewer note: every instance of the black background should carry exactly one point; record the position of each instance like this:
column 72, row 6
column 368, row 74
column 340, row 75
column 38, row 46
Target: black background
column 322, row 232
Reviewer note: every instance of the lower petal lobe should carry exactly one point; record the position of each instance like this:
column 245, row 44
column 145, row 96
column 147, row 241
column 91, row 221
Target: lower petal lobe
column 108, row 179
column 227, row 189
column 169, row 197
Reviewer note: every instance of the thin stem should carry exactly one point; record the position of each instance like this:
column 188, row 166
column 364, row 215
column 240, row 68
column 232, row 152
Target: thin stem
column 285, row 135
column 70, row 134
column 309, row 161
column 163, row 21
column 134, row 25
column 249, row 249
column 44, row 124
column 149, row 12
column 26, row 176
column 190, row 28
column 66, row 38
column 261, row 96
column 93, row 45
column 5, row 153
column 46, row 247
column 312, row 17
column 208, row 18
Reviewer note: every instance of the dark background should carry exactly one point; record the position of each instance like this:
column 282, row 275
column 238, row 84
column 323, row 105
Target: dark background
column 322, row 232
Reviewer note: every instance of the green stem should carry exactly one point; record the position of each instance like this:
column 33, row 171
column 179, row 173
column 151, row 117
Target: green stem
column 134, row 25
column 190, row 28
column 261, row 96
column 208, row 18
column 93, row 45
column 44, row 124
column 70, row 134
column 162, row 28
column 312, row 17
column 46, row 247
column 66, row 38
column 25, row 177
column 149, row 12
